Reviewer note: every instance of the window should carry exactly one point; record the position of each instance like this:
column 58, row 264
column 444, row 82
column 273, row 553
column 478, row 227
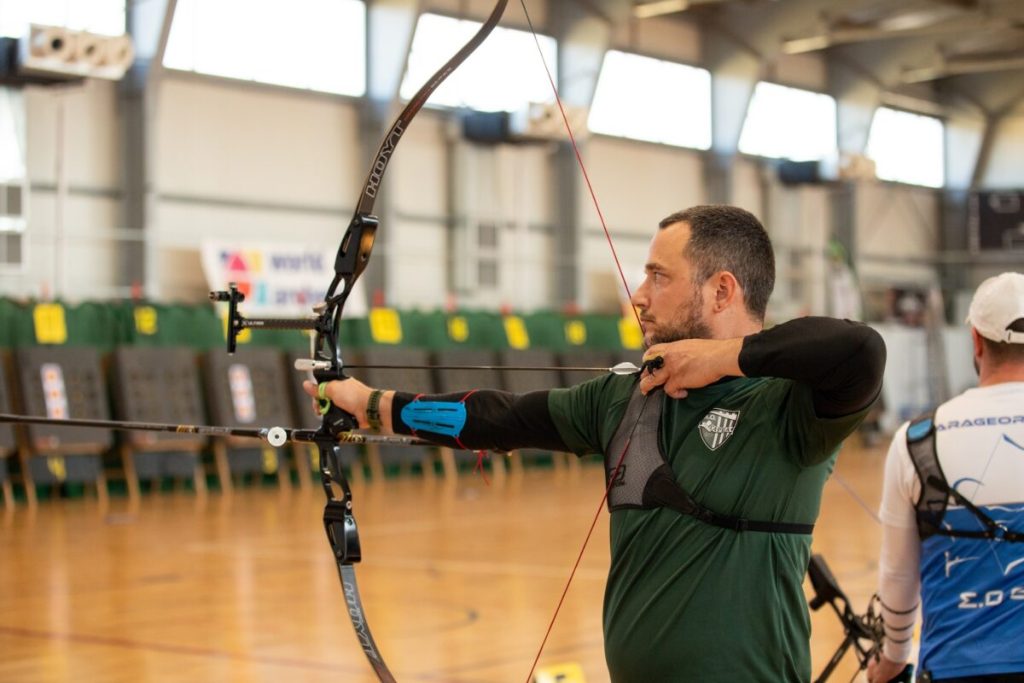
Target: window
column 492, row 78
column 309, row 44
column 907, row 148
column 650, row 99
column 788, row 123
column 96, row 16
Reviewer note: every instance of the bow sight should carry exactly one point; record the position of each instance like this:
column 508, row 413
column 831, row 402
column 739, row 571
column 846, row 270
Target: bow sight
column 237, row 323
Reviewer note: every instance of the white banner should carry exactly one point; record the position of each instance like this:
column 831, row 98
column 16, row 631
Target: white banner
column 278, row 279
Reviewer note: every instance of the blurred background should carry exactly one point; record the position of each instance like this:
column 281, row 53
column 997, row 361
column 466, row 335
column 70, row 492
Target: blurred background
column 153, row 150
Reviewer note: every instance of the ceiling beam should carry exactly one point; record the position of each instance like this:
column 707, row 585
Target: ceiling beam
column 958, row 66
column 657, row 8
column 839, row 35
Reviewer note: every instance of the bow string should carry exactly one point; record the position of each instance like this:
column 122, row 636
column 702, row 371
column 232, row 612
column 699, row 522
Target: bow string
column 648, row 366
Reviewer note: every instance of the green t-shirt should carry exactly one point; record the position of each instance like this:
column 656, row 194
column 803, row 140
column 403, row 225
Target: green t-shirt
column 687, row 601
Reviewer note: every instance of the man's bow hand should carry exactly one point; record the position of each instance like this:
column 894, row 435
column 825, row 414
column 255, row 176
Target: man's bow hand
column 350, row 395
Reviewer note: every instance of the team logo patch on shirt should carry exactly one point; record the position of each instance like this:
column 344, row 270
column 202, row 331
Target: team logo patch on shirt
column 717, row 426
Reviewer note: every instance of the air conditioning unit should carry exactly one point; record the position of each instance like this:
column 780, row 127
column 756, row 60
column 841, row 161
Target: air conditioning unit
column 845, row 166
column 533, row 123
column 544, row 122
column 56, row 53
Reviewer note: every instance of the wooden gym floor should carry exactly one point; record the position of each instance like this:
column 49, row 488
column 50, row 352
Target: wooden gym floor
column 459, row 581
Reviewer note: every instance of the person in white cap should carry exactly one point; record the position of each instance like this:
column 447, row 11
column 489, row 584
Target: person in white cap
column 953, row 515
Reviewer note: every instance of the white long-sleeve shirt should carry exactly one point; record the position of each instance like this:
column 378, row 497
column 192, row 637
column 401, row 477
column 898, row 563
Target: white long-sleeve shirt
column 971, row 590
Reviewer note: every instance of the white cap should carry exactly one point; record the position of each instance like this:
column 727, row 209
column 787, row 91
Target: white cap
column 997, row 304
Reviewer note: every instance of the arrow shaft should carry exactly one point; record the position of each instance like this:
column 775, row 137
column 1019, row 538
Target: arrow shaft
column 202, row 430
column 515, row 368
column 262, row 433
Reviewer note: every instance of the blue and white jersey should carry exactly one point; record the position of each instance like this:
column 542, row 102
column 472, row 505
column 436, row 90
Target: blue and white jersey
column 972, row 590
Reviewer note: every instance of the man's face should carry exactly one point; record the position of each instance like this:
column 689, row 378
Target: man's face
column 670, row 304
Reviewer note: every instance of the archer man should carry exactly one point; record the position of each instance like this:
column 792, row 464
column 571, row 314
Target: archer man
column 725, row 446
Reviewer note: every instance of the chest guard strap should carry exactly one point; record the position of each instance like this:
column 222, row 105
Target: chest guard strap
column 935, row 490
column 646, row 481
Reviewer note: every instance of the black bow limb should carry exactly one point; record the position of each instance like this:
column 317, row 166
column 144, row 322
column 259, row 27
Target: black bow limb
column 864, row 633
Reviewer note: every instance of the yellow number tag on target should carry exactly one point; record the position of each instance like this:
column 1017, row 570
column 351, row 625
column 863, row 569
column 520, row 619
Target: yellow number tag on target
column 55, row 465
column 516, row 333
column 576, row 332
column 385, row 326
column 50, row 323
column 145, row 320
column 630, row 334
column 458, row 329
column 269, row 460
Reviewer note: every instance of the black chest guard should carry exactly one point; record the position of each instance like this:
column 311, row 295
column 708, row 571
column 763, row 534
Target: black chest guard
column 935, row 490
column 646, row 481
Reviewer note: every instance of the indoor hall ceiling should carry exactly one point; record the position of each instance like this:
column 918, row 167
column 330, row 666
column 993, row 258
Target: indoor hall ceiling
column 954, row 51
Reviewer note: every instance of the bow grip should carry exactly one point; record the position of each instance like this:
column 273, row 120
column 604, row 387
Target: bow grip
column 336, row 420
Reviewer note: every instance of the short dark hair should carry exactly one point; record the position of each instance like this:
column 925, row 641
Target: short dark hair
column 1005, row 352
column 730, row 238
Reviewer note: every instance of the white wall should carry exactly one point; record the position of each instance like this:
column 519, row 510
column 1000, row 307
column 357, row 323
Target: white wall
column 220, row 140
column 799, row 223
column 511, row 187
column 246, row 163
column 747, row 186
column 415, row 244
column 637, row 184
column 897, row 233
column 74, row 208
column 905, row 388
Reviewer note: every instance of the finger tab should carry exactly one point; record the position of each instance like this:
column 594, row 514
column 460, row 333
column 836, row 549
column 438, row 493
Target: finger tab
column 653, row 365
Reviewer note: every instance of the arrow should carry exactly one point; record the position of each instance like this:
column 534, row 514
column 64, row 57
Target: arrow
column 275, row 436
column 624, row 368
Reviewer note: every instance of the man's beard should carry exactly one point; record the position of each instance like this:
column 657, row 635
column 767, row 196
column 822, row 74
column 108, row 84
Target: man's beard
column 688, row 325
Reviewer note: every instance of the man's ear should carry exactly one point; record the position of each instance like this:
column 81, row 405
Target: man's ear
column 726, row 290
column 979, row 346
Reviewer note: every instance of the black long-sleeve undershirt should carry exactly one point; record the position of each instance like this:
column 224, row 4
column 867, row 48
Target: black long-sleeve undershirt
column 496, row 421
column 841, row 361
